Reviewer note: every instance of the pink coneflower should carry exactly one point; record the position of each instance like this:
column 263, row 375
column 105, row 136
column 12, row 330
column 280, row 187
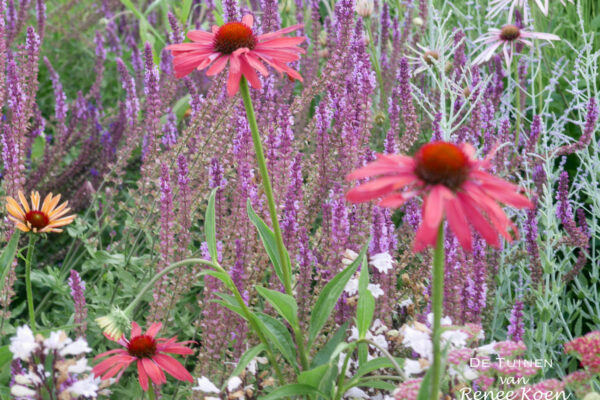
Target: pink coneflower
column 505, row 37
column 150, row 354
column 496, row 6
column 236, row 43
column 451, row 182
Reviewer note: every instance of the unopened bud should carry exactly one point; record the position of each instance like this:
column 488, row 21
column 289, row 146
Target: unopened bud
column 364, row 8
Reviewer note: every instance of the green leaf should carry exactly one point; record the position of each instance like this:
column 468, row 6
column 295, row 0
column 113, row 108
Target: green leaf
column 329, row 297
column 313, row 377
column 268, row 238
column 186, row 8
column 37, row 147
column 231, row 307
column 294, row 389
column 8, row 255
column 284, row 304
column 222, row 276
column 366, row 302
column 324, row 355
column 424, row 390
column 210, row 227
column 376, row 364
column 5, row 356
column 279, row 335
column 245, row 359
column 377, row 384
column 144, row 24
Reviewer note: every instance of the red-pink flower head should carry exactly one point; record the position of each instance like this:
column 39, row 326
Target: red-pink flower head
column 451, row 182
column 150, row 354
column 235, row 43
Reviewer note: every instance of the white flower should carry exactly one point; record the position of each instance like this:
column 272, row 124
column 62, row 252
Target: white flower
column 378, row 327
column 418, row 21
column 375, row 290
column 349, row 257
column 406, row 303
column 383, row 262
column 233, row 383
column 356, row 393
column 412, row 367
column 87, row 387
column 79, row 367
column 56, row 341
column 251, row 367
column 487, row 349
column 351, row 287
column 76, row 348
column 417, row 340
column 21, row 391
column 456, row 338
column 364, row 8
column 22, row 379
column 206, row 386
column 444, row 321
column 378, row 339
column 23, row 343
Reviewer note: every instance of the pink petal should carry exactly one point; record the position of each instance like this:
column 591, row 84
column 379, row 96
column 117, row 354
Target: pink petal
column 478, row 221
column 194, row 46
column 393, row 201
column 143, row 377
column 248, row 20
column 153, row 330
column 218, row 66
column 185, row 64
column 135, row 330
column 113, row 371
column 434, row 205
column 256, row 64
column 281, row 42
column 280, row 32
column 497, row 217
column 121, row 351
column 458, row 222
column 201, row 36
column 383, row 165
column 173, row 367
column 376, row 188
column 425, row 236
column 249, row 73
column 110, row 362
column 176, row 348
column 503, row 191
column 153, row 371
column 214, row 29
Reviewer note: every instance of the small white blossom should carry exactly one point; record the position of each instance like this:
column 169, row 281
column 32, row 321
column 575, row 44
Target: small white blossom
column 87, row 387
column 356, row 393
column 23, row 343
column 375, row 290
column 412, row 367
column 383, row 262
column 79, row 367
column 456, row 338
column 22, row 379
column 444, row 320
column 206, row 386
column 233, row 383
column 56, row 341
column 351, row 287
column 487, row 349
column 76, row 348
column 21, row 391
column 349, row 257
column 418, row 340
column 406, row 303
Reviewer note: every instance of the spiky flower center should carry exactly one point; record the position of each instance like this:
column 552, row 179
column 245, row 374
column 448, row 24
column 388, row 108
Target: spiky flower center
column 442, row 163
column 37, row 219
column 510, row 33
column 430, row 57
column 142, row 346
column 233, row 36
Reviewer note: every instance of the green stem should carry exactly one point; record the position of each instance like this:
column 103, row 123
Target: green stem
column 438, row 300
column 151, row 392
column 517, row 102
column 264, row 174
column 266, row 182
column 32, row 239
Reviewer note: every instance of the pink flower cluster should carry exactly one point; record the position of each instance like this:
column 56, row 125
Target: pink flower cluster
column 588, row 350
column 408, row 390
column 510, row 349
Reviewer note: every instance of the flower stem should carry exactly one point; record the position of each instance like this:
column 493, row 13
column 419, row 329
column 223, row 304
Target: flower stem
column 438, row 300
column 151, row 392
column 28, row 281
column 517, row 103
column 264, row 174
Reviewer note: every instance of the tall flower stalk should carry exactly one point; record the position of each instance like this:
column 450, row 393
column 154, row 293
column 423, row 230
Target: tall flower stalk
column 28, row 289
column 437, row 306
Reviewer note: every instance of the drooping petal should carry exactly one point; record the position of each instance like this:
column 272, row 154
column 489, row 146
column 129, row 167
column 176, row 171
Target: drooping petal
column 248, row 20
column 201, row 36
column 434, row 206
column 153, row 371
column 173, row 367
column 376, row 188
column 458, row 223
column 153, row 330
column 249, row 73
column 142, row 376
column 281, row 42
column 279, row 33
column 478, row 221
column 218, row 66
column 425, row 235
column 235, row 74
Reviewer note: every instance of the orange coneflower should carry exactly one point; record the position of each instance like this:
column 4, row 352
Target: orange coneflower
column 48, row 218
